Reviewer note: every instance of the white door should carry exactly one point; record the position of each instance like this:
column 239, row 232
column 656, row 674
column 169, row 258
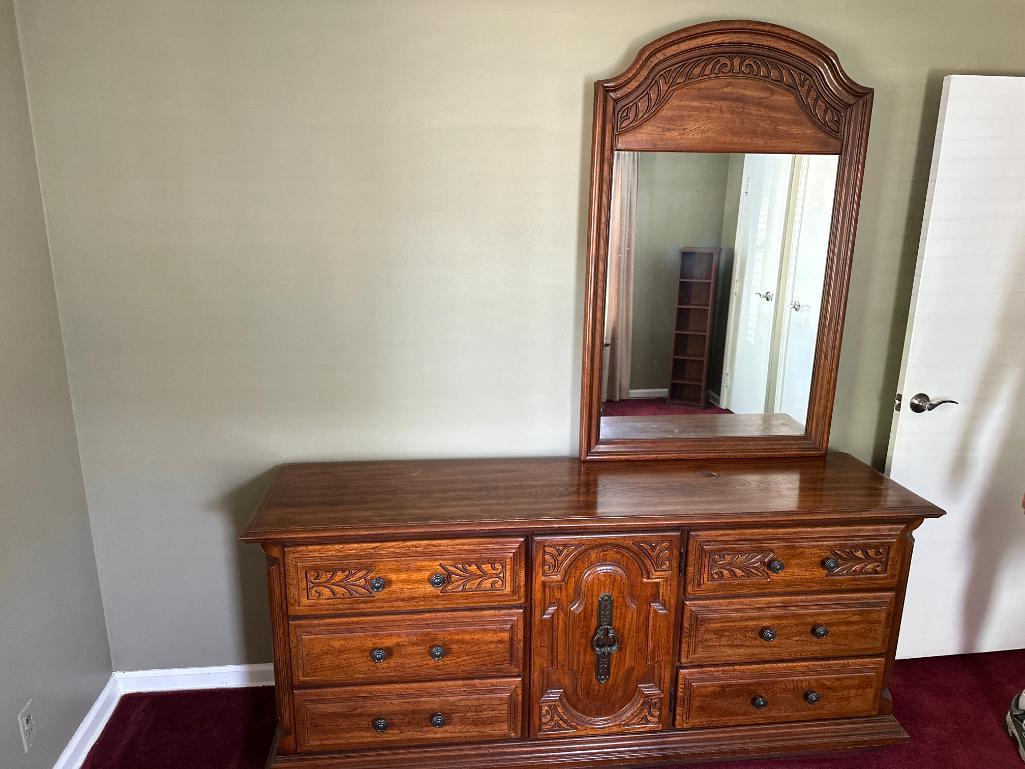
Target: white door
column 805, row 272
column 760, row 228
column 966, row 341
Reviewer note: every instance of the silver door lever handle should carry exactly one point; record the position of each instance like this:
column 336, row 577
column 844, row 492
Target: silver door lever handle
column 921, row 402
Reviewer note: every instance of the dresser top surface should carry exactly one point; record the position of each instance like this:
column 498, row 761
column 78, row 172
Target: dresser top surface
column 330, row 500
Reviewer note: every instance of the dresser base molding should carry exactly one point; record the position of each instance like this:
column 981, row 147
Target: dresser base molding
column 638, row 750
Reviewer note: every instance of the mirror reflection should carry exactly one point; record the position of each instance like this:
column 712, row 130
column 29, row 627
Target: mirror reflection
column 715, row 275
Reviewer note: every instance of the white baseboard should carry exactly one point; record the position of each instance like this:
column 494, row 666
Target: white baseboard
column 89, row 730
column 161, row 680
column 176, row 679
column 656, row 393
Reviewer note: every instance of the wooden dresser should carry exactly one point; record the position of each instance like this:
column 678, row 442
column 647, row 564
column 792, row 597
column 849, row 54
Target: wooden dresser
column 541, row 612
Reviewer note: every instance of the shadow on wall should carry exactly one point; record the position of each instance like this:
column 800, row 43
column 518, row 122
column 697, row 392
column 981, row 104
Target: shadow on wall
column 997, row 538
column 909, row 249
column 910, row 244
column 254, row 615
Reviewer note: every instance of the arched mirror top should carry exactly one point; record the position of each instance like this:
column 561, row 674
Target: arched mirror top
column 726, row 176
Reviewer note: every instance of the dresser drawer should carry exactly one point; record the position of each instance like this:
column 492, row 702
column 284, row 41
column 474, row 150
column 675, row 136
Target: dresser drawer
column 765, row 629
column 781, row 692
column 411, row 647
column 404, row 576
column 821, row 559
column 416, row 714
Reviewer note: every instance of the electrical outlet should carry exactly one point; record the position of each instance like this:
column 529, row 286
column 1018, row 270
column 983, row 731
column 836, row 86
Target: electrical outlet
column 27, row 725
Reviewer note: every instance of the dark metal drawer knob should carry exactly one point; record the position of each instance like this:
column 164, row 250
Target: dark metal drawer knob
column 767, row 634
column 776, row 565
column 378, row 655
column 759, row 701
column 830, row 564
column 377, row 584
column 820, row 631
column 380, row 724
column 438, row 720
column 437, row 580
column 437, row 652
column 812, row 697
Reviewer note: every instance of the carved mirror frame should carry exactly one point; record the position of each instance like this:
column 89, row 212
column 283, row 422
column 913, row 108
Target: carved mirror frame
column 728, row 86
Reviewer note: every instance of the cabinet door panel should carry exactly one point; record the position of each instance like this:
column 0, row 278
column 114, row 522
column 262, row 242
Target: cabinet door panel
column 603, row 608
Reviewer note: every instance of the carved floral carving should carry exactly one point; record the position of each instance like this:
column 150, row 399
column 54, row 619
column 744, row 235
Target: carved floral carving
column 659, row 554
column 339, row 583
column 554, row 719
column 641, row 107
column 555, row 557
column 558, row 717
column 647, row 713
column 474, row 577
column 723, row 566
column 860, row 561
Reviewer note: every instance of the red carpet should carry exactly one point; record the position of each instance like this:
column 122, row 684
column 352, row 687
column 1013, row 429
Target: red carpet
column 953, row 708
column 650, row 407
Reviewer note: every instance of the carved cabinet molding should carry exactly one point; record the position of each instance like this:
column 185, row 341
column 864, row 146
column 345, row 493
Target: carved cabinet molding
column 604, row 613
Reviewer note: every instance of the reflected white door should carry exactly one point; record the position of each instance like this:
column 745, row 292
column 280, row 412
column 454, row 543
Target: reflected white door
column 966, row 341
column 807, row 246
column 760, row 229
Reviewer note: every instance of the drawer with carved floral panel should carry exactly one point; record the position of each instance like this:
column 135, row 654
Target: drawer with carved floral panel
column 822, row 559
column 361, row 577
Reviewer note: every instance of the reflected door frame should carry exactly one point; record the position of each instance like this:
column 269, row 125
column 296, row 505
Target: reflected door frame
column 747, row 307
column 792, row 358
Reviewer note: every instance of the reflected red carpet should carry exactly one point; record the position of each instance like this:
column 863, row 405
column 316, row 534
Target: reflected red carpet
column 953, row 708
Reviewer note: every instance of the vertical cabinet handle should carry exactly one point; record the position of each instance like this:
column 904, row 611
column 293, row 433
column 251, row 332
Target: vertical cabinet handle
column 605, row 642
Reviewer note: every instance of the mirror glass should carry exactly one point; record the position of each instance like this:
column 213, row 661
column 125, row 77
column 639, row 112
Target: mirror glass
column 714, row 284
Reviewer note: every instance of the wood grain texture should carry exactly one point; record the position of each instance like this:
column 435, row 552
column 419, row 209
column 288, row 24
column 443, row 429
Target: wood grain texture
column 729, row 114
column 375, row 500
column 285, row 735
column 719, row 631
column 337, row 579
column 639, row 573
column 632, row 750
column 475, row 644
column 727, row 86
column 473, row 711
column 898, row 611
column 740, row 561
column 723, row 696
column 697, row 426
